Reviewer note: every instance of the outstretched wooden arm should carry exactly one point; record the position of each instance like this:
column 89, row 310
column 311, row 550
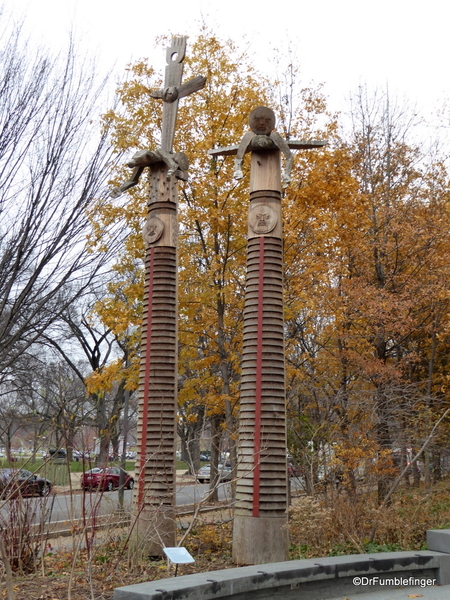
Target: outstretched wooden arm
column 173, row 93
column 283, row 146
column 243, row 148
column 129, row 183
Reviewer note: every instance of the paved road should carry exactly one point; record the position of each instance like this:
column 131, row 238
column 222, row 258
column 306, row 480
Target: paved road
column 65, row 507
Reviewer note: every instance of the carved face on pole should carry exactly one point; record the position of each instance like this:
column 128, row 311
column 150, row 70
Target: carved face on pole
column 262, row 120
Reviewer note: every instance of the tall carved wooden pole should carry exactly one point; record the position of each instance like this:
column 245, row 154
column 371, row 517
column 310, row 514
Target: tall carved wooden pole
column 155, row 492
column 259, row 532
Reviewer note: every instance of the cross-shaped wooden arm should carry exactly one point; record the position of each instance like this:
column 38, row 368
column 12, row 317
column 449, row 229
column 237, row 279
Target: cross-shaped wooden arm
column 174, row 90
column 170, row 95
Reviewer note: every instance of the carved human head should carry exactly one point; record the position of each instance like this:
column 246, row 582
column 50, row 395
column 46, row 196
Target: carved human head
column 262, row 120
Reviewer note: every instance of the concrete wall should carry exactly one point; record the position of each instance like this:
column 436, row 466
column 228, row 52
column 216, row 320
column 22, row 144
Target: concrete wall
column 306, row 579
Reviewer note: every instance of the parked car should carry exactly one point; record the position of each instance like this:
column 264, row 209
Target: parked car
column 204, row 473
column 105, row 479
column 19, row 482
column 78, row 455
column 205, row 455
column 294, row 471
column 56, row 455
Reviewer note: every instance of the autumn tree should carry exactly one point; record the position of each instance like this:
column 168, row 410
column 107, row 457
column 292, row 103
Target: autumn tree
column 368, row 291
column 78, row 332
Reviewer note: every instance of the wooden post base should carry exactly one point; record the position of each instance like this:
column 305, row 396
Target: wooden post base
column 154, row 530
column 259, row 540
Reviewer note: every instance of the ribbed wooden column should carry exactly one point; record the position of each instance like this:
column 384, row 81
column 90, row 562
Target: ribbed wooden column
column 259, row 533
column 156, row 432
column 261, row 485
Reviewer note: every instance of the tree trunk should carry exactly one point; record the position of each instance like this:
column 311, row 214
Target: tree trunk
column 102, row 431
column 384, row 442
column 184, row 450
column 193, row 453
column 229, row 418
column 8, row 447
column 437, row 472
column 215, row 452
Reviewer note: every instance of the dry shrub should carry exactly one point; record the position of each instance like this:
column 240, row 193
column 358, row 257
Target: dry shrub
column 309, row 524
column 23, row 539
column 343, row 524
column 412, row 512
column 329, row 525
column 211, row 538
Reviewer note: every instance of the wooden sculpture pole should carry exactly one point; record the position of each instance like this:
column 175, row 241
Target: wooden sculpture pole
column 156, row 432
column 259, row 532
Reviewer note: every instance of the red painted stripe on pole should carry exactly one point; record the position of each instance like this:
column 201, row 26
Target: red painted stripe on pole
column 259, row 348
column 144, row 428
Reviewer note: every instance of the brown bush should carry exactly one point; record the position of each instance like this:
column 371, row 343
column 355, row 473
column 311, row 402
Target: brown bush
column 343, row 524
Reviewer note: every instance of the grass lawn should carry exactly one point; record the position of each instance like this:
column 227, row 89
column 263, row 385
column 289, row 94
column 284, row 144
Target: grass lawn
column 75, row 466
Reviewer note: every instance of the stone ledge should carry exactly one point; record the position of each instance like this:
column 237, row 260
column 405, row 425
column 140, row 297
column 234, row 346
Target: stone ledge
column 438, row 540
column 328, row 577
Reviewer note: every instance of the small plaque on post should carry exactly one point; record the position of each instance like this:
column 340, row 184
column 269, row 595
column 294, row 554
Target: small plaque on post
column 178, row 555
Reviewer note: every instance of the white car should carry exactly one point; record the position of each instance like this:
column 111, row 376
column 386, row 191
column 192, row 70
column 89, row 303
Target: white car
column 204, row 473
column 78, row 455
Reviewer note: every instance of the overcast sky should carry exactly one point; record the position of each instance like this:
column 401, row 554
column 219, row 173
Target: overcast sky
column 402, row 44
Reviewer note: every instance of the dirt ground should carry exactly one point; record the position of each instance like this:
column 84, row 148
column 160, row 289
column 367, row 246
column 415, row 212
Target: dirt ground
column 101, row 582
column 95, row 575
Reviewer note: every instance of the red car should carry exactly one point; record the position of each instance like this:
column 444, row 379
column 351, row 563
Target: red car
column 105, row 479
column 294, row 471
